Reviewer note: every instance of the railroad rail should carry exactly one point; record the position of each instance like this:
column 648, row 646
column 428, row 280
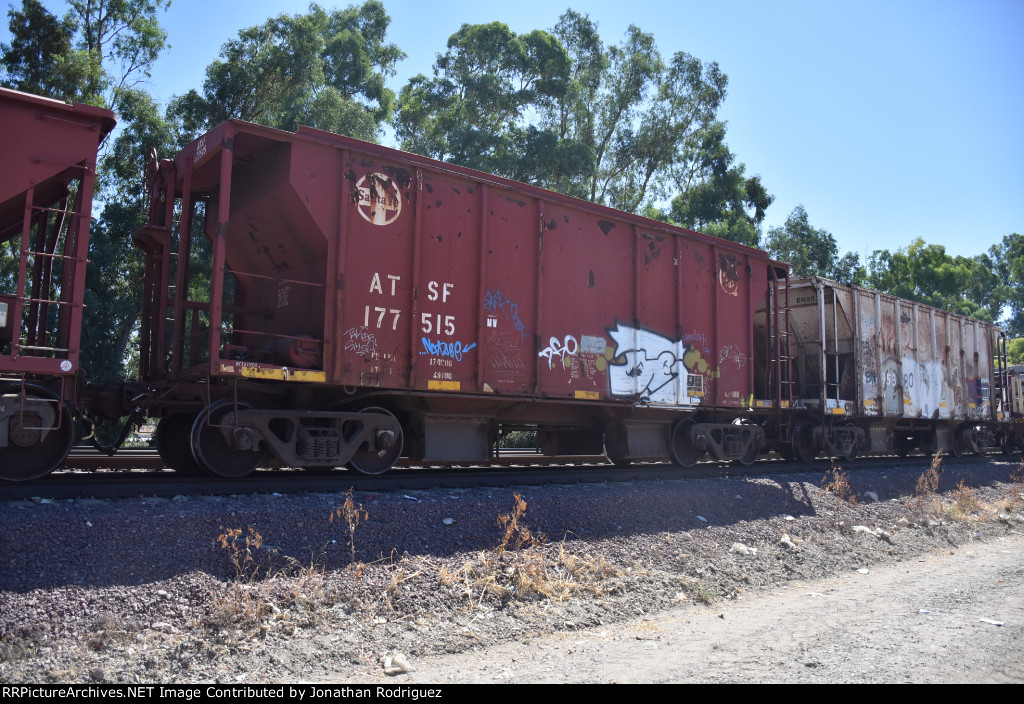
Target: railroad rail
column 141, row 473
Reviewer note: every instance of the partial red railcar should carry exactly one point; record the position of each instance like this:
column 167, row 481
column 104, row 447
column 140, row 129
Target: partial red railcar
column 46, row 186
column 329, row 301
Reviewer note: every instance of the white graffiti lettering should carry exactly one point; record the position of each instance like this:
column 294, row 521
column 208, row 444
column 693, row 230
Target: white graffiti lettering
column 361, row 341
column 568, row 346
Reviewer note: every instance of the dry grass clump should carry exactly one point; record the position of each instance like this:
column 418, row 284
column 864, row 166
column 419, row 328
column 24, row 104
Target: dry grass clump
column 836, row 482
column 965, row 503
column 274, row 591
column 699, row 591
column 107, row 631
column 524, row 566
column 1017, row 485
column 926, row 499
column 962, row 503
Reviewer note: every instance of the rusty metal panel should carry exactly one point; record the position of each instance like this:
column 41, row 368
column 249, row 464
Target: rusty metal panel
column 911, row 361
column 587, row 289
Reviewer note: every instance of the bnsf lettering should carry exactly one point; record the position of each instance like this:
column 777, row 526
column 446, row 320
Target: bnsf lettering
column 811, row 300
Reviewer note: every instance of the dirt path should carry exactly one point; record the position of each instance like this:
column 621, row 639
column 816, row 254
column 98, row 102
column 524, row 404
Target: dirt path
column 919, row 621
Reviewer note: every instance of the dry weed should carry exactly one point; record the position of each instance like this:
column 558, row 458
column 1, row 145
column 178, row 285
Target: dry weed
column 240, row 551
column 965, row 503
column 521, row 566
column 836, row 482
column 353, row 514
column 926, row 498
column 1017, row 484
column 516, row 534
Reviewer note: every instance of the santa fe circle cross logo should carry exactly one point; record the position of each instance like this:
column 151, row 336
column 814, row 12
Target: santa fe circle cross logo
column 380, row 203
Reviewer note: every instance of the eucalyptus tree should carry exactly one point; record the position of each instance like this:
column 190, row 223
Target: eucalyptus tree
column 812, row 251
column 613, row 124
column 479, row 109
column 1006, row 262
column 325, row 69
column 926, row 273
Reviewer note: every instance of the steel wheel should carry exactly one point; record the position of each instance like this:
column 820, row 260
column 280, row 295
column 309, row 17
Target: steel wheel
column 381, row 459
column 959, row 446
column 929, row 442
column 616, row 446
column 1009, row 444
column 28, row 454
column 748, row 457
column 903, row 445
column 851, row 454
column 684, row 453
column 174, row 443
column 211, row 448
column 803, row 449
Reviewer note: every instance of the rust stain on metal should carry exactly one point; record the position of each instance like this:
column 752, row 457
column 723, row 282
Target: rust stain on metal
column 653, row 247
column 398, row 175
column 728, row 276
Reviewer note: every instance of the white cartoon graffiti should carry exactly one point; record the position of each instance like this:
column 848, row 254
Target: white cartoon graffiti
column 647, row 365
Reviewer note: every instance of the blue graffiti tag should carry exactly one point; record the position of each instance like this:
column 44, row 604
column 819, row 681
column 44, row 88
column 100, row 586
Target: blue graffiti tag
column 440, row 348
column 495, row 300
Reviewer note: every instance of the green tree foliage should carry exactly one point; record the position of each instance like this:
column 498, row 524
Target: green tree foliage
column 811, row 251
column 122, row 38
column 1007, row 265
column 1015, row 351
column 613, row 124
column 721, row 205
column 322, row 69
column 113, row 299
column 478, row 108
column 925, row 273
column 41, row 57
column 95, row 54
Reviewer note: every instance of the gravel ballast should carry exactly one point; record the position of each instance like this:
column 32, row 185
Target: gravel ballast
column 271, row 588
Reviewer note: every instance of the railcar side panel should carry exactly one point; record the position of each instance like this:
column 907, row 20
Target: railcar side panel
column 911, row 360
column 510, row 300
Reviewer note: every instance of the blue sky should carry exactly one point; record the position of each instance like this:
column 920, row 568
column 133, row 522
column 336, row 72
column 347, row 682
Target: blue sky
column 888, row 121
